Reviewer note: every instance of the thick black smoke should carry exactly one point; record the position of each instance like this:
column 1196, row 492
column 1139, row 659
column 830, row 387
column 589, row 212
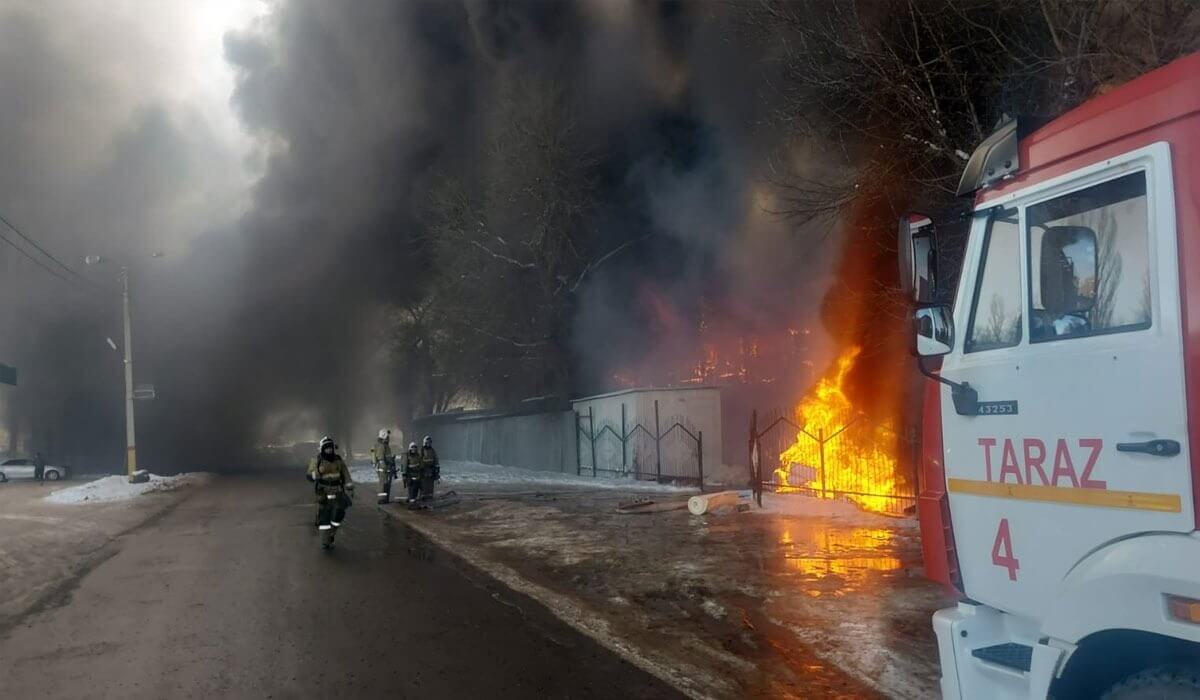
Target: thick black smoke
column 96, row 158
column 274, row 325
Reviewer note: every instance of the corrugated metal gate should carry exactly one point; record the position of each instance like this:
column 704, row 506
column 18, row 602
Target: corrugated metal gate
column 671, row 455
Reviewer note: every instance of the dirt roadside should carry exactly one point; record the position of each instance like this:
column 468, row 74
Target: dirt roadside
column 45, row 548
column 724, row 605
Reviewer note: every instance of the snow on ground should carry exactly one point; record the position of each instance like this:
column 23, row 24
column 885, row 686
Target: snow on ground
column 474, row 473
column 118, row 488
column 838, row 511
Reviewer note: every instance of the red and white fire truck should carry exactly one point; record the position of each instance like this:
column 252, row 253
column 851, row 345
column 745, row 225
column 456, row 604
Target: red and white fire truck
column 1061, row 462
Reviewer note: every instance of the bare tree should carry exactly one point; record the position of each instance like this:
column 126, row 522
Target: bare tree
column 510, row 250
column 998, row 322
column 1109, row 268
column 429, row 358
column 905, row 89
column 1145, row 305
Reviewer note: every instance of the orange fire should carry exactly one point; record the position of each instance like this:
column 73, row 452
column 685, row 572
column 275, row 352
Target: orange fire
column 839, row 451
column 848, row 555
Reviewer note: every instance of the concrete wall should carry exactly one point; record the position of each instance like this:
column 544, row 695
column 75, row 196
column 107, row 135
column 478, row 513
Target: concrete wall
column 696, row 408
column 549, row 441
column 544, row 441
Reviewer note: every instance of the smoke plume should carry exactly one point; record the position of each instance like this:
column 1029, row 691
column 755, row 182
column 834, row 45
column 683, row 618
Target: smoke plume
column 268, row 317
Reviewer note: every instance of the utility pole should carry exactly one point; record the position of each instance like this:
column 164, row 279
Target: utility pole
column 130, row 442
column 131, row 393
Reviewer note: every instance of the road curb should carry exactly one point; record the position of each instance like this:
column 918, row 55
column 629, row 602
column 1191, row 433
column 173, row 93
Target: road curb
column 689, row 681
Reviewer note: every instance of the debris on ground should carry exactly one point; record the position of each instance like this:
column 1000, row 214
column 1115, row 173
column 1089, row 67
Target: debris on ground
column 441, row 500
column 643, row 504
column 709, row 502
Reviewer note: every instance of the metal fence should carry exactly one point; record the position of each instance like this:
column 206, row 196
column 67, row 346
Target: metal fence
column 862, row 460
column 673, row 455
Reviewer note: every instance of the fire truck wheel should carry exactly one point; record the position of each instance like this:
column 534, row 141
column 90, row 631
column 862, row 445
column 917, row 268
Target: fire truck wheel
column 1164, row 683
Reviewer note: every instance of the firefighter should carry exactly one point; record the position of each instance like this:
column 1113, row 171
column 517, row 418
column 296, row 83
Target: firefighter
column 333, row 486
column 431, row 470
column 412, row 472
column 385, row 464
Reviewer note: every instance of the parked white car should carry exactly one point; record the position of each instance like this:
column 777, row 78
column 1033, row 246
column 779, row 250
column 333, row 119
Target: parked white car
column 20, row 468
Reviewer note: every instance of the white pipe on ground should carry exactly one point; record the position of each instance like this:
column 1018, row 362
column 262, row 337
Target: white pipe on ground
column 706, row 502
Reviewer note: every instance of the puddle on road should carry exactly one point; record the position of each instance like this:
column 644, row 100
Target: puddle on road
column 835, row 560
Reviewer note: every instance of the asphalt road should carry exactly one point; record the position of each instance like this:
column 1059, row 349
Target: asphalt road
column 230, row 595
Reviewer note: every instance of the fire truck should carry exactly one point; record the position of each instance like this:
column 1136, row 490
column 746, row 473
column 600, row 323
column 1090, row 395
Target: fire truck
column 1060, row 466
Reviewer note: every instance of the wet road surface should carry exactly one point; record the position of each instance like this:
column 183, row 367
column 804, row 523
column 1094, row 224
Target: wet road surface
column 759, row 604
column 229, row 595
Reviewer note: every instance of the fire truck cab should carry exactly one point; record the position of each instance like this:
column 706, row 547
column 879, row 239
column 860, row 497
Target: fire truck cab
column 1060, row 467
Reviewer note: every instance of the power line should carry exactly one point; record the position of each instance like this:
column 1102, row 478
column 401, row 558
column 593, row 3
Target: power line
column 40, row 249
column 77, row 278
column 35, row 261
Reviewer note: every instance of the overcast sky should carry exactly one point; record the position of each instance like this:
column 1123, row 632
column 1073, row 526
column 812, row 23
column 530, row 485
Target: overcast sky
column 118, row 127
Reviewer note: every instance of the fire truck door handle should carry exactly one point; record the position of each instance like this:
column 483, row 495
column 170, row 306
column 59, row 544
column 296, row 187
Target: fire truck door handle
column 1158, row 448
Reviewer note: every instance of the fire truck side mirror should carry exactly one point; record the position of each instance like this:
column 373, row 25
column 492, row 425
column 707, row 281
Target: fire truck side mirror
column 933, row 331
column 1069, row 269
column 917, row 251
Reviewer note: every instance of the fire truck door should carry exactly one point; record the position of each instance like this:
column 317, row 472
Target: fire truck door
column 1070, row 325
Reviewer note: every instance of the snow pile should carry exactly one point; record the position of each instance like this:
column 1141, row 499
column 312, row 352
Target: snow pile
column 838, row 510
column 118, row 488
column 471, row 473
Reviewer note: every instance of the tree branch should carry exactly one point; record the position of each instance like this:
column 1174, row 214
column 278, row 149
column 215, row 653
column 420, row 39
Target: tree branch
column 505, row 258
column 601, row 260
column 511, row 341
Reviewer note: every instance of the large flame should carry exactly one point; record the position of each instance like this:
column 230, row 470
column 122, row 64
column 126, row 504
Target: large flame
column 858, row 454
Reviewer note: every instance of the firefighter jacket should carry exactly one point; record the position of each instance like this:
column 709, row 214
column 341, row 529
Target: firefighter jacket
column 330, row 475
column 382, row 452
column 412, row 464
column 430, row 469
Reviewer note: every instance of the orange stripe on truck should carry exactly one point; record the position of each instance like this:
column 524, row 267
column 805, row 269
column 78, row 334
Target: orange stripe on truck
column 1101, row 498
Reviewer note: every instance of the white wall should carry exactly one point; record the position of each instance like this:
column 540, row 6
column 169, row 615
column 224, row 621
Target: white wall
column 698, row 409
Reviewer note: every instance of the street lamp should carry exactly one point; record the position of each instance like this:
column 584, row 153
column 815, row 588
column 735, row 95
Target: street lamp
column 130, row 442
